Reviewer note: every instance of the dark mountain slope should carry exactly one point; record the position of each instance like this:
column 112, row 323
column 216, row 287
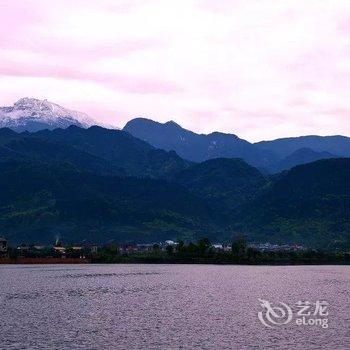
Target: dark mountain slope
column 40, row 201
column 119, row 148
column 224, row 183
column 104, row 151
column 32, row 148
column 308, row 204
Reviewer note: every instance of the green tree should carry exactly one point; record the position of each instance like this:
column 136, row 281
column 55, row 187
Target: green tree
column 239, row 246
column 156, row 247
column 204, row 245
column 180, row 246
column 169, row 249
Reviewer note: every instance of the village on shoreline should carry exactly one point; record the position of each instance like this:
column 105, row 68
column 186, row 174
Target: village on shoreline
column 169, row 251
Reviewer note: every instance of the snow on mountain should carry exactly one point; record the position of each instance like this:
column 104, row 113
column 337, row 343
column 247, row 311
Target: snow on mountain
column 32, row 115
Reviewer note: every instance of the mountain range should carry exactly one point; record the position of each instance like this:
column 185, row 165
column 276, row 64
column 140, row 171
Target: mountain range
column 198, row 147
column 268, row 156
column 92, row 183
column 30, row 114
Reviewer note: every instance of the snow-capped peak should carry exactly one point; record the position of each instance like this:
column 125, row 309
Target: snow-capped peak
column 32, row 114
column 44, row 108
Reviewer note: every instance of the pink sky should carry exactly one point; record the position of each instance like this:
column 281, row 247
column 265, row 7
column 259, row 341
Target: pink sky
column 260, row 69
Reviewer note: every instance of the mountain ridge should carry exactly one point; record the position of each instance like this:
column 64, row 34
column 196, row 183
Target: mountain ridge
column 334, row 144
column 31, row 114
column 268, row 156
column 95, row 149
column 301, row 156
column 196, row 147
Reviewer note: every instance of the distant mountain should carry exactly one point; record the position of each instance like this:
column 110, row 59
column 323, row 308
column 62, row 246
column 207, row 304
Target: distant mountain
column 267, row 156
column 119, row 148
column 309, row 204
column 337, row 145
column 300, row 156
column 224, row 183
column 197, row 147
column 30, row 114
column 104, row 151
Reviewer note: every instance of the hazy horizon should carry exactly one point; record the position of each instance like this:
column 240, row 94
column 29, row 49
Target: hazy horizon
column 120, row 127
column 260, row 70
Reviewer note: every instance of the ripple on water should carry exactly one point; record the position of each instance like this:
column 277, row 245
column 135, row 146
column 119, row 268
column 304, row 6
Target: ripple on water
column 166, row 306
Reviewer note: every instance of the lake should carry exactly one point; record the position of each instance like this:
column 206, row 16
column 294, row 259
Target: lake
column 172, row 307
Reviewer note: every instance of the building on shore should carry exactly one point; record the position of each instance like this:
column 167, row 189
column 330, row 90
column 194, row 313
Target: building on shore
column 61, row 250
column 270, row 247
column 145, row 247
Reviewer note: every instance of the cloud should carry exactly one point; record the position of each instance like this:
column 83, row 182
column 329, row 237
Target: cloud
column 123, row 83
column 260, row 69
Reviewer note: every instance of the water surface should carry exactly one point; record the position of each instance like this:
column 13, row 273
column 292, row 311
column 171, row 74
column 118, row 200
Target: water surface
column 167, row 306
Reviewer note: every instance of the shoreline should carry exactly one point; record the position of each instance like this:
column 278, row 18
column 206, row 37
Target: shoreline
column 72, row 261
column 43, row 261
